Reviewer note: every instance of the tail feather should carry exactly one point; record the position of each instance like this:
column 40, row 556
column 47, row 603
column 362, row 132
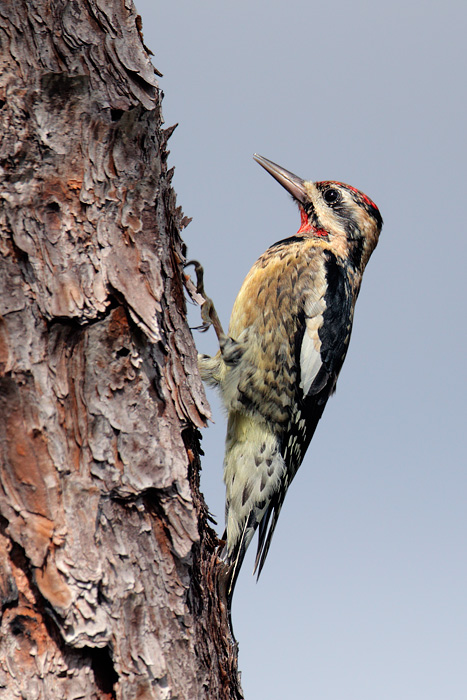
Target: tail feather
column 262, row 533
column 266, row 532
column 234, row 559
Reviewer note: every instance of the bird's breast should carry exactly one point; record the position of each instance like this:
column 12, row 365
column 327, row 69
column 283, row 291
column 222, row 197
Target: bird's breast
column 268, row 320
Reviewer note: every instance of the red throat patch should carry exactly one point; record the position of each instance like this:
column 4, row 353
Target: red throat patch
column 306, row 227
column 304, row 223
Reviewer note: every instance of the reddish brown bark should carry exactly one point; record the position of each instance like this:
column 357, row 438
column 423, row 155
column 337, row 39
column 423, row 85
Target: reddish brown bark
column 107, row 563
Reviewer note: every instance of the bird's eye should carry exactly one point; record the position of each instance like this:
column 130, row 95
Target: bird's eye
column 331, row 195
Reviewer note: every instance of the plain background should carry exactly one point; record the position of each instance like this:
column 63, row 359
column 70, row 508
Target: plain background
column 363, row 595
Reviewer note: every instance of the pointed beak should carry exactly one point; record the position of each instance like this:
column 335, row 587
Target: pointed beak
column 293, row 184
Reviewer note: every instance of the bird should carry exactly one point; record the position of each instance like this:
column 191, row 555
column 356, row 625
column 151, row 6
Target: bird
column 279, row 362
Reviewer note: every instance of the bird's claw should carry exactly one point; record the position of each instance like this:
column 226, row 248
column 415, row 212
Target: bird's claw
column 208, row 310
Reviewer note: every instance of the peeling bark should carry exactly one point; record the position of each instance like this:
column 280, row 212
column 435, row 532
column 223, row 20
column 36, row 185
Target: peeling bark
column 108, row 578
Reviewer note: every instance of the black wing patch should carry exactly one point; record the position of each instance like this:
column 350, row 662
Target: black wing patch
column 337, row 318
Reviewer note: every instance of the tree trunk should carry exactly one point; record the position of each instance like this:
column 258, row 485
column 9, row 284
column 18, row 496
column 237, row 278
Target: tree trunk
column 108, row 580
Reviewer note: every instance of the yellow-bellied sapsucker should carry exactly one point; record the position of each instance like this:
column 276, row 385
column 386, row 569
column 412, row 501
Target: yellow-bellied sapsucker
column 288, row 336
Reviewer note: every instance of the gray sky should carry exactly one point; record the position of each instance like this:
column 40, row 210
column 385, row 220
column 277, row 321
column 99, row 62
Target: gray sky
column 363, row 595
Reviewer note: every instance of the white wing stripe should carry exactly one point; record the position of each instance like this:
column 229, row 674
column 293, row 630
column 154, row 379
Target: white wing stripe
column 310, row 352
column 310, row 357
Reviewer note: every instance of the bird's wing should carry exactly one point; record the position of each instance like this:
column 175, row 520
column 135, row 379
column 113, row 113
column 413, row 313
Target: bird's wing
column 322, row 342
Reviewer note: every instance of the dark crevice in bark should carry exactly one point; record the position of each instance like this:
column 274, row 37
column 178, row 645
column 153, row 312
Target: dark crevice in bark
column 104, row 671
column 77, row 324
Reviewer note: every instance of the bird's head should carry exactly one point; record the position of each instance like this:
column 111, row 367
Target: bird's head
column 338, row 216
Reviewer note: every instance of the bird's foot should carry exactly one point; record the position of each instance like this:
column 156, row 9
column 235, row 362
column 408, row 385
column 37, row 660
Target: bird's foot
column 208, row 310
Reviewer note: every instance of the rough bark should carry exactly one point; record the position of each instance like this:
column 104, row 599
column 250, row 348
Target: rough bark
column 108, row 582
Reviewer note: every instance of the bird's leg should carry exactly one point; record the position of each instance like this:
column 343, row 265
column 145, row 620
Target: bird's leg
column 208, row 310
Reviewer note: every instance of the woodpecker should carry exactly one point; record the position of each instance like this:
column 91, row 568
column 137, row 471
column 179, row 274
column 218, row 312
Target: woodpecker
column 278, row 365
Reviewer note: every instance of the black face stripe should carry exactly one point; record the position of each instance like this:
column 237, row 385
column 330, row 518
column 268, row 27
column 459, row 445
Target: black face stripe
column 355, row 252
column 373, row 211
column 365, row 203
column 344, row 213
